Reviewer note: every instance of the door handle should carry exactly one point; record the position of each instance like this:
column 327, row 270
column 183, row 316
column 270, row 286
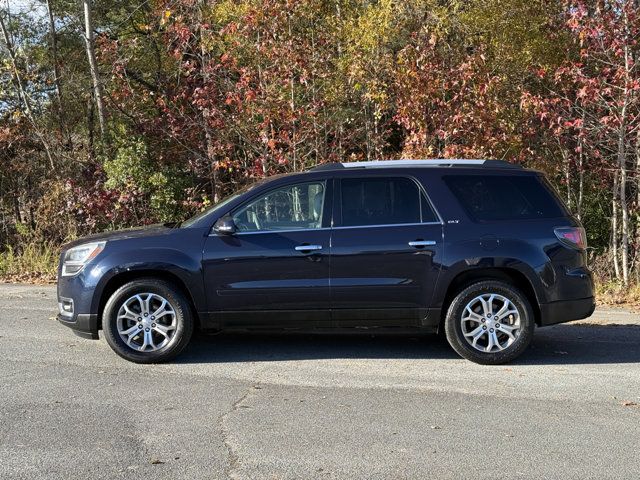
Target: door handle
column 421, row 243
column 308, row 248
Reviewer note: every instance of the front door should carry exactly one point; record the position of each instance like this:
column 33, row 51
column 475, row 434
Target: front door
column 386, row 252
column 273, row 272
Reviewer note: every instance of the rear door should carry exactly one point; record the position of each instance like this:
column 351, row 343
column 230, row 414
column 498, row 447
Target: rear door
column 386, row 251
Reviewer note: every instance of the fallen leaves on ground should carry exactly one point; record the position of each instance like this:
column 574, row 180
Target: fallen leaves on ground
column 31, row 278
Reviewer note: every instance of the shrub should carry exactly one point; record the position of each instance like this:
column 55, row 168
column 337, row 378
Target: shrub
column 154, row 192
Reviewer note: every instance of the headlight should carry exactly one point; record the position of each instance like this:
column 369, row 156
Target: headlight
column 77, row 257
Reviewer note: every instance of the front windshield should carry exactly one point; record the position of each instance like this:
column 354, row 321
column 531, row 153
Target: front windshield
column 220, row 204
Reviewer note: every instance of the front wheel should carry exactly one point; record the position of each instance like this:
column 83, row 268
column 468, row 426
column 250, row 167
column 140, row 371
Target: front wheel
column 147, row 321
column 490, row 322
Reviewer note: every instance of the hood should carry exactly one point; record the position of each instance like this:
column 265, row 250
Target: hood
column 147, row 231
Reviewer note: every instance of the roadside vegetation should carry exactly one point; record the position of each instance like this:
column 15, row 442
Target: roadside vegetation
column 129, row 112
column 33, row 263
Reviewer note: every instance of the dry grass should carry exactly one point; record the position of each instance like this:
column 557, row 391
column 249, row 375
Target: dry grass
column 613, row 293
column 34, row 263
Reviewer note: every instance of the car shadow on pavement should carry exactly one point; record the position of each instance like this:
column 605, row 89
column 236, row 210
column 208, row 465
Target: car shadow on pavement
column 561, row 344
column 254, row 347
column 580, row 344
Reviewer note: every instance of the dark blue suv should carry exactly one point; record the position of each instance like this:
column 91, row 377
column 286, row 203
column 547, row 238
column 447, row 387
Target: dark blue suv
column 482, row 250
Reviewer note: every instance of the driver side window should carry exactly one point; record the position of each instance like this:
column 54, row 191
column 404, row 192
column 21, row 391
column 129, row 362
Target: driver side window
column 294, row 207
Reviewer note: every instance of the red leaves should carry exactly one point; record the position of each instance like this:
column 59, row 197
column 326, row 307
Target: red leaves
column 587, row 103
column 450, row 102
column 575, row 123
column 583, row 92
column 262, row 89
column 250, row 95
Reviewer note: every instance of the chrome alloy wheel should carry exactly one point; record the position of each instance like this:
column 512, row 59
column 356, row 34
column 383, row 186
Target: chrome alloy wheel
column 490, row 323
column 147, row 322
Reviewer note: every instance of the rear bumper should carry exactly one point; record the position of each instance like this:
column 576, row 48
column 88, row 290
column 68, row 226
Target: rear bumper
column 566, row 310
column 83, row 325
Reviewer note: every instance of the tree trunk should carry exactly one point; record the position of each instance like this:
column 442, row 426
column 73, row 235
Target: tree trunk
column 580, row 173
column 340, row 126
column 624, row 244
column 622, row 164
column 16, row 209
column 93, row 66
column 208, row 133
column 56, row 69
column 638, row 170
column 91, row 127
column 580, row 186
column 637, row 241
column 22, row 94
column 292, row 105
column 316, row 134
column 614, row 225
column 566, row 165
column 212, row 160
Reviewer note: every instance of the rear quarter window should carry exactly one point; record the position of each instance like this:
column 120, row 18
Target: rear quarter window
column 501, row 197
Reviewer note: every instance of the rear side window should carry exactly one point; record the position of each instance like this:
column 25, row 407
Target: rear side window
column 383, row 201
column 501, row 197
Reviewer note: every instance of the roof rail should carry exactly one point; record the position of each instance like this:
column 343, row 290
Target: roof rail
column 445, row 162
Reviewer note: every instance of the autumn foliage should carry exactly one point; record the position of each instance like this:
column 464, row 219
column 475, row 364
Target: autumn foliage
column 202, row 97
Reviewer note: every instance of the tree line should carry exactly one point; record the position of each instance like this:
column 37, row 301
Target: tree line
column 125, row 112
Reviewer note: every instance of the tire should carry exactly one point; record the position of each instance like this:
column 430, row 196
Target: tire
column 478, row 323
column 150, row 339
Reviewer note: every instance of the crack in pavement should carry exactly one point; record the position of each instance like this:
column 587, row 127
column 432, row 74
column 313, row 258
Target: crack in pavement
column 234, row 461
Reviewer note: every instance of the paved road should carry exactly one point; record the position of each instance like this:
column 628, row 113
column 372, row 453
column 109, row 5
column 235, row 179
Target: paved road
column 316, row 407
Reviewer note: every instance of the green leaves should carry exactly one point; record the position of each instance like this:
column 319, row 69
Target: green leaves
column 156, row 191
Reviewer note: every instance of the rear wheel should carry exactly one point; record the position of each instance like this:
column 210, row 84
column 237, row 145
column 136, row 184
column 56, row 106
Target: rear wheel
column 490, row 322
column 147, row 321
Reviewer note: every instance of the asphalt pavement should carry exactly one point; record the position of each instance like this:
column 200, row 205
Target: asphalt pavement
column 306, row 407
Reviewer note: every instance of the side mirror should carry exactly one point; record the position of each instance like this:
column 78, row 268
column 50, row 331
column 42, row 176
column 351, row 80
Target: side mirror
column 225, row 226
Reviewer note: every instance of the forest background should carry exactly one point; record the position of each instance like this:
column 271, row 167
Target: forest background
column 118, row 113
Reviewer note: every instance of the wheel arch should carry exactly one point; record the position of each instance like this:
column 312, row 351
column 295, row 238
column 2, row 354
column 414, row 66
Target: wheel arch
column 123, row 278
column 509, row 275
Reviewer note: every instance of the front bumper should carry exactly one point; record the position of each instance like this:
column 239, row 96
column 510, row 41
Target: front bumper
column 75, row 300
column 83, row 325
column 566, row 310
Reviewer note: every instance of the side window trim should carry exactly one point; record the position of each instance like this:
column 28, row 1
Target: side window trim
column 337, row 215
column 332, row 206
column 326, row 207
column 426, row 196
column 423, row 192
column 256, row 232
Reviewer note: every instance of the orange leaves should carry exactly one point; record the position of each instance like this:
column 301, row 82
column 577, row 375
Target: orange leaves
column 450, row 101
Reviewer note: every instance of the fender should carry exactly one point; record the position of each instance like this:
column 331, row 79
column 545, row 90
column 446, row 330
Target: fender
column 175, row 262
column 508, row 254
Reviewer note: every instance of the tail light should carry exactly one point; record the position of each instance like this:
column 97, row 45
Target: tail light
column 574, row 237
